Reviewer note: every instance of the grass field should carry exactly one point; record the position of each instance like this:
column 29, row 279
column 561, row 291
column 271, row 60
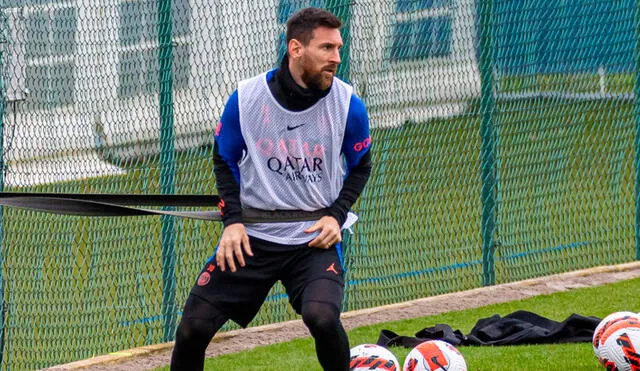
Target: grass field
column 299, row 354
column 564, row 201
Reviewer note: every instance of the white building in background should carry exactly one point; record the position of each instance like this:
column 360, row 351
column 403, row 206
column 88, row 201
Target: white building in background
column 414, row 60
column 81, row 75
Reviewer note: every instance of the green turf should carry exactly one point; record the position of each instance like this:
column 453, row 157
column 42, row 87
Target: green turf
column 593, row 301
column 564, row 201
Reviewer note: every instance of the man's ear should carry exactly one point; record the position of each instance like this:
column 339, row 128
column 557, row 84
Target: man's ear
column 294, row 48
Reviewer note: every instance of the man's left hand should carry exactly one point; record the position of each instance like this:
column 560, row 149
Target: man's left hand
column 329, row 233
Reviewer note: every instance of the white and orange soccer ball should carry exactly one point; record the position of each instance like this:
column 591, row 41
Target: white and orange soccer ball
column 620, row 348
column 368, row 357
column 434, row 355
column 604, row 325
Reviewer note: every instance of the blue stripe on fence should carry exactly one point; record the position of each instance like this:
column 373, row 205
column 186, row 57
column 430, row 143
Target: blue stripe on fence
column 444, row 268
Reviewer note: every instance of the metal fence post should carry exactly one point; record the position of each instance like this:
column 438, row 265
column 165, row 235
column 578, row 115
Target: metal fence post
column 342, row 9
column 487, row 132
column 3, row 99
column 167, row 162
column 636, row 90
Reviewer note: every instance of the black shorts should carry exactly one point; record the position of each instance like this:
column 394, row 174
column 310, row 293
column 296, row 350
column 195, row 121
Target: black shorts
column 240, row 294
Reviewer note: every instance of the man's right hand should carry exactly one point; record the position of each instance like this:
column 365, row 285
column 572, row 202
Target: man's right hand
column 233, row 242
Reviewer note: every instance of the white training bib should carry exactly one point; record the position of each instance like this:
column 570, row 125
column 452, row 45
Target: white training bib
column 293, row 159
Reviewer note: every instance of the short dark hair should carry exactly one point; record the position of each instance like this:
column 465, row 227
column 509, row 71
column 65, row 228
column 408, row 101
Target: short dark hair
column 302, row 24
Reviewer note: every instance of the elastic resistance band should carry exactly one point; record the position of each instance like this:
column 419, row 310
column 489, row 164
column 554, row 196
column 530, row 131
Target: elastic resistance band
column 97, row 205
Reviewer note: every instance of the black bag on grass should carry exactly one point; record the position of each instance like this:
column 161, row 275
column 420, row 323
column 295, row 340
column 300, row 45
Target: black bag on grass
column 517, row 328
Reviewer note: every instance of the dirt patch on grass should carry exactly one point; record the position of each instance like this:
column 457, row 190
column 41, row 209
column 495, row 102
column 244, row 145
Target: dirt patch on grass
column 148, row 358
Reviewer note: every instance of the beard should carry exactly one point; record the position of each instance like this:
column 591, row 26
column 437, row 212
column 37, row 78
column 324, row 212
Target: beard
column 317, row 80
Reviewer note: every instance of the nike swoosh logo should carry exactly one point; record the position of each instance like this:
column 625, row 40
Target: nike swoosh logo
column 294, row 127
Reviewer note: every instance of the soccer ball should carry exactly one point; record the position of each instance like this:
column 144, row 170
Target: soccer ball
column 367, row 357
column 606, row 323
column 620, row 350
column 434, row 355
column 605, row 352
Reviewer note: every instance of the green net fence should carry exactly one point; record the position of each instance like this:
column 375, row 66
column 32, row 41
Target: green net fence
column 504, row 146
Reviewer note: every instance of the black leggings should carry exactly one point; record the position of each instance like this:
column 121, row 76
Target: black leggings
column 332, row 344
column 201, row 320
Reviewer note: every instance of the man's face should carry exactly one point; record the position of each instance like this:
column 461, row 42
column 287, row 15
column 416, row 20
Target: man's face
column 320, row 58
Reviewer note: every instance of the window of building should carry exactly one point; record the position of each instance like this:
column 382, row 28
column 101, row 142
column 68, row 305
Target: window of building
column 138, row 30
column 422, row 29
column 50, row 45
